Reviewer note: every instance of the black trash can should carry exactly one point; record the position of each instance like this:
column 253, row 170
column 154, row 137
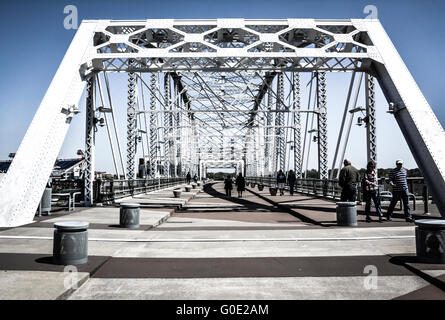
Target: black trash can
column 129, row 215
column 70, row 243
column 346, row 214
column 430, row 240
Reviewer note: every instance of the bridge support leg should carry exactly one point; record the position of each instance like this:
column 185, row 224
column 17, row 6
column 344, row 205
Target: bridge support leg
column 279, row 122
column 322, row 126
column 297, row 124
column 90, row 140
column 153, row 128
column 371, row 137
column 131, row 125
column 268, row 140
column 167, row 115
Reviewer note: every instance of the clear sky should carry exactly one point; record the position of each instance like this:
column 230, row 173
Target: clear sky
column 34, row 42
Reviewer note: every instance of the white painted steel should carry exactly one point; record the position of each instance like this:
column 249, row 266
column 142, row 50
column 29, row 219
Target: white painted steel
column 247, row 49
column 23, row 185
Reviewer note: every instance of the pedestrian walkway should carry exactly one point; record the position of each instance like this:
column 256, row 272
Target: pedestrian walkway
column 214, row 247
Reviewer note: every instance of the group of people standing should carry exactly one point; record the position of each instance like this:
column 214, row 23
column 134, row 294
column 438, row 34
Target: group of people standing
column 281, row 181
column 350, row 177
column 188, row 178
column 240, row 183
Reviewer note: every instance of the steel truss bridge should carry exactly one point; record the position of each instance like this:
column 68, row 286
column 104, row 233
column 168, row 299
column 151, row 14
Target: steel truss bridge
column 222, row 92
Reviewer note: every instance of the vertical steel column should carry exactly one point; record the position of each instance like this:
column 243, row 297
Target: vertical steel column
column 167, row 99
column 178, row 131
column 279, row 122
column 195, row 149
column 90, row 140
column 268, row 131
column 153, row 128
column 371, row 137
column 172, row 139
column 131, row 124
column 296, row 90
column 322, row 126
column 255, row 158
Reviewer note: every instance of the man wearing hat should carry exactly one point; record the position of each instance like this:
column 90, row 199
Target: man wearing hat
column 397, row 179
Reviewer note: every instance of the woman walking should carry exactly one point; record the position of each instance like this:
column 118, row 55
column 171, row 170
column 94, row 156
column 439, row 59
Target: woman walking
column 371, row 191
column 228, row 186
column 240, row 184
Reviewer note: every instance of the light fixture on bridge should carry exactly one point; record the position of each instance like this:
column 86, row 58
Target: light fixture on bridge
column 104, row 110
column 70, row 111
column 99, row 121
column 361, row 121
column 315, row 138
column 357, row 109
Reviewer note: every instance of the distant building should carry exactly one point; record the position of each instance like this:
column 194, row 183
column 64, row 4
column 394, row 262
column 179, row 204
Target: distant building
column 63, row 168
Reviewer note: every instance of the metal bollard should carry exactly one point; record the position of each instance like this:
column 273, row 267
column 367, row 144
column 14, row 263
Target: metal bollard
column 273, row 191
column 70, row 243
column 129, row 215
column 425, row 196
column 430, row 240
column 346, row 214
column 177, row 193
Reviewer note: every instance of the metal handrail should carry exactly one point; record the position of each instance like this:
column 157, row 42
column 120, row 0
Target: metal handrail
column 329, row 188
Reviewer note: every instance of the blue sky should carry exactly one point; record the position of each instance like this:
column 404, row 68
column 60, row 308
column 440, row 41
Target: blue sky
column 34, row 42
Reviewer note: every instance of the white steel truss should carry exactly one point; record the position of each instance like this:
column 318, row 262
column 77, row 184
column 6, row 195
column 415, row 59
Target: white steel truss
column 221, row 72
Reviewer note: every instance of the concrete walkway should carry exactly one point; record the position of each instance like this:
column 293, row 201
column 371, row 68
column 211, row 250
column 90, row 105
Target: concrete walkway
column 208, row 246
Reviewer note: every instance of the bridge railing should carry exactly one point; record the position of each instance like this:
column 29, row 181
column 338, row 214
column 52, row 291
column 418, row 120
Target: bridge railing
column 108, row 190
column 331, row 190
column 317, row 187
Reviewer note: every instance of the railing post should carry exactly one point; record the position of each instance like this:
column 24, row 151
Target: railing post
column 425, row 195
column 325, row 188
column 131, row 187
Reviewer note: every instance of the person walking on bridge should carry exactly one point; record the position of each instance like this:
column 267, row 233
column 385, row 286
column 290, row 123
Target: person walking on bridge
column 240, row 184
column 291, row 178
column 228, row 186
column 348, row 179
column 398, row 181
column 281, row 181
column 370, row 188
column 188, row 177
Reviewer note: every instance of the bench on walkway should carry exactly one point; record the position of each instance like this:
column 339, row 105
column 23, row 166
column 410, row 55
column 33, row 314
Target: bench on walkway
column 71, row 199
column 387, row 196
